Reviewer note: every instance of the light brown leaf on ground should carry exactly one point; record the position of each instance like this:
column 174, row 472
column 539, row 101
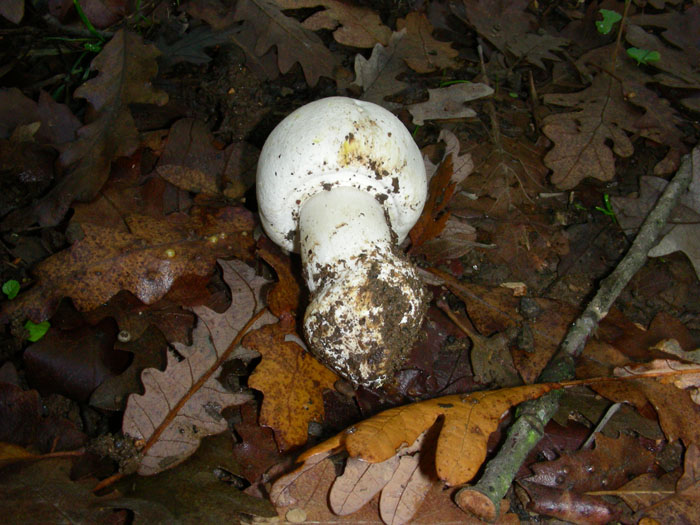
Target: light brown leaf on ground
column 291, row 380
column 449, row 102
column 352, row 25
column 581, row 138
column 183, row 404
column 683, row 228
column 403, row 495
column 421, row 50
column 684, row 505
column 294, row 43
column 360, row 482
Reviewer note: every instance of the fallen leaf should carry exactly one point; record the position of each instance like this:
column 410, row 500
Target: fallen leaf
column 126, row 66
column 145, row 260
column 684, row 223
column 25, row 422
column 74, row 363
column 294, row 43
column 403, row 495
column 434, row 217
column 570, row 506
column 257, row 451
column 352, row 25
column 597, row 469
column 646, row 490
column 410, row 46
column 469, row 420
column 148, row 351
column 291, row 380
column 449, row 102
column 183, row 404
column 581, row 138
column 42, row 491
column 359, row 484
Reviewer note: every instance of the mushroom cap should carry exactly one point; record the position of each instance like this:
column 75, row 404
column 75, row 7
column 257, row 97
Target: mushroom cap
column 339, row 142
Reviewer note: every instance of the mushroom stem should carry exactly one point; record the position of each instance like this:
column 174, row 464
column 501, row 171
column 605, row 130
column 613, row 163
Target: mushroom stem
column 367, row 300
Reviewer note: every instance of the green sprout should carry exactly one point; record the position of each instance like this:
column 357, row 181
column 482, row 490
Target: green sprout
column 11, row 288
column 36, row 331
column 643, row 56
column 610, row 18
column 453, row 82
column 94, row 47
column 607, row 209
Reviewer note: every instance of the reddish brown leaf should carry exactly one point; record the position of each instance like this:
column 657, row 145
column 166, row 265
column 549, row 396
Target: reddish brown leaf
column 74, row 363
column 284, row 296
column 597, row 469
column 257, row 450
column 434, row 217
column 24, row 422
column 144, row 261
column 569, row 506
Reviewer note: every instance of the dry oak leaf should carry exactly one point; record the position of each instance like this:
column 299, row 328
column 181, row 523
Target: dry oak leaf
column 352, row 25
column 469, row 420
column 183, row 404
column 581, row 138
column 145, row 261
column 126, row 67
column 449, row 102
column 411, row 45
column 291, row 380
column 294, row 43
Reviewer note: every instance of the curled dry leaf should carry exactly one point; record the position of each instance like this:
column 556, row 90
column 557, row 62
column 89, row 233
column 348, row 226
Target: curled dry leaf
column 183, row 404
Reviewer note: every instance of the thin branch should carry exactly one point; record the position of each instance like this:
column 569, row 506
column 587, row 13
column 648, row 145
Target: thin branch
column 483, row 499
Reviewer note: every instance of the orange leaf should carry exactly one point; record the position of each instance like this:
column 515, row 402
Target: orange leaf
column 291, row 380
column 433, row 219
column 284, row 297
column 461, row 449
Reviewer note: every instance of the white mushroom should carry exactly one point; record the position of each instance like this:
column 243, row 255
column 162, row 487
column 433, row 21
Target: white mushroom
column 342, row 182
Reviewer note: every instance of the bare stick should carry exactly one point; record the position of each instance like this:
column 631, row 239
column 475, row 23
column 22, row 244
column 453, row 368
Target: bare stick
column 483, row 499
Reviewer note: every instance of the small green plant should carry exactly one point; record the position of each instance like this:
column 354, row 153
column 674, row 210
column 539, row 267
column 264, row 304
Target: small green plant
column 11, row 288
column 643, row 56
column 607, row 208
column 610, row 18
column 36, row 331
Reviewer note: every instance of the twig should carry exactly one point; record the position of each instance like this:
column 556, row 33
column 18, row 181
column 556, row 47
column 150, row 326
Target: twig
column 483, row 499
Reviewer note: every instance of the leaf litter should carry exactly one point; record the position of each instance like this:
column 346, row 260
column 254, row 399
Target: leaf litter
column 128, row 176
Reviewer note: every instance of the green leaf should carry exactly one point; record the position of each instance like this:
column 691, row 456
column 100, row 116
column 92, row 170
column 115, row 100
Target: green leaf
column 643, row 56
column 10, row 288
column 610, row 18
column 36, row 331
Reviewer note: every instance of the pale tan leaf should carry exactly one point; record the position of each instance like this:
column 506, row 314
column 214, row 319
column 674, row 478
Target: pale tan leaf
column 405, row 492
column 448, row 102
column 359, row 484
column 183, row 404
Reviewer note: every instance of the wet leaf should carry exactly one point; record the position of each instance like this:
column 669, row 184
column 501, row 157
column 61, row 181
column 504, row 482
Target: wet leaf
column 145, row 260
